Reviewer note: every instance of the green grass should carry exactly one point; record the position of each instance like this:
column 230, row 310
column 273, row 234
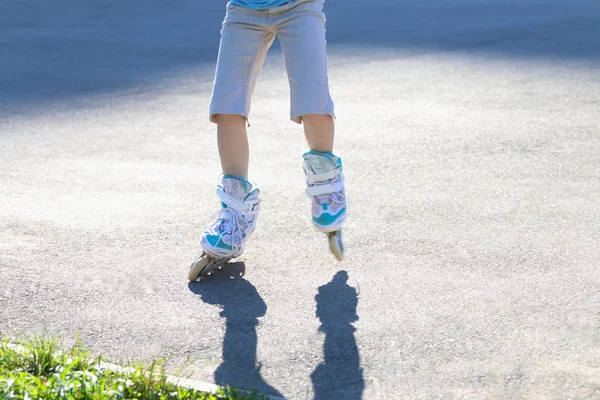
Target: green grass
column 38, row 369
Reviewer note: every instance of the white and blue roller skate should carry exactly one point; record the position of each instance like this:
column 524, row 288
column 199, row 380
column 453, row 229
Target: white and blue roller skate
column 325, row 181
column 228, row 229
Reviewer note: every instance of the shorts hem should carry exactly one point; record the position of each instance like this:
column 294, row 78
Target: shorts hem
column 298, row 118
column 212, row 117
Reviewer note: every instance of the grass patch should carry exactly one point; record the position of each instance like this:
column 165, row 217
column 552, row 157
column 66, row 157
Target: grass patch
column 39, row 369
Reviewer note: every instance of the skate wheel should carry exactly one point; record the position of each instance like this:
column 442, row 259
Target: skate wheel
column 197, row 267
column 335, row 244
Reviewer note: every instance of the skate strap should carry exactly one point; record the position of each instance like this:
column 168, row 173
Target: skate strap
column 242, row 207
column 328, row 188
column 322, row 177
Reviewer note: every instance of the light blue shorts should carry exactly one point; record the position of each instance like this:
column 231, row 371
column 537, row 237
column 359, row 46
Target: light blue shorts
column 245, row 38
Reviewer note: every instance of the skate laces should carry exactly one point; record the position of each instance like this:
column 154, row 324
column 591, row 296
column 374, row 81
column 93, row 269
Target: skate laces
column 235, row 220
column 226, row 222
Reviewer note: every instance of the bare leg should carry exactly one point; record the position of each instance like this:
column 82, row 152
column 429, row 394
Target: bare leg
column 319, row 130
column 233, row 144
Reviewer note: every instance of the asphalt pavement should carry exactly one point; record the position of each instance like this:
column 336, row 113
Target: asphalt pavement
column 470, row 135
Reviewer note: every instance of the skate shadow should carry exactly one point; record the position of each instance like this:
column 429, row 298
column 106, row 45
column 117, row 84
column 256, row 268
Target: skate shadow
column 241, row 307
column 339, row 376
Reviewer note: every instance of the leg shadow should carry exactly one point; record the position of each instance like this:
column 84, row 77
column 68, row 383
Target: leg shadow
column 340, row 375
column 241, row 307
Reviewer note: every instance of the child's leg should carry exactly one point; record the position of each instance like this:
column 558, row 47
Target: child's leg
column 301, row 32
column 319, row 130
column 233, row 144
column 245, row 39
column 302, row 35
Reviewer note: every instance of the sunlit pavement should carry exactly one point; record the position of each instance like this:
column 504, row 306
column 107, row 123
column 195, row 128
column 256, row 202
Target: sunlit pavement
column 470, row 134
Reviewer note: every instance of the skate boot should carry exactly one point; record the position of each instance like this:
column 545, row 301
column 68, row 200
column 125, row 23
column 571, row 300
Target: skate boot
column 228, row 229
column 325, row 181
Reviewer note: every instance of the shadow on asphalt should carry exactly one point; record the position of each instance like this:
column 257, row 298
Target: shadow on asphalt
column 59, row 49
column 241, row 307
column 549, row 29
column 52, row 50
column 339, row 376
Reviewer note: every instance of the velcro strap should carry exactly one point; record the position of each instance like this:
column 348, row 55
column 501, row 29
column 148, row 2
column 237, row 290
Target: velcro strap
column 322, row 177
column 242, row 207
column 320, row 190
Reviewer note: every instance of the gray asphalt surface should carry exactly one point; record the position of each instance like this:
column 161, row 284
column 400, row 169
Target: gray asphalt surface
column 470, row 133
